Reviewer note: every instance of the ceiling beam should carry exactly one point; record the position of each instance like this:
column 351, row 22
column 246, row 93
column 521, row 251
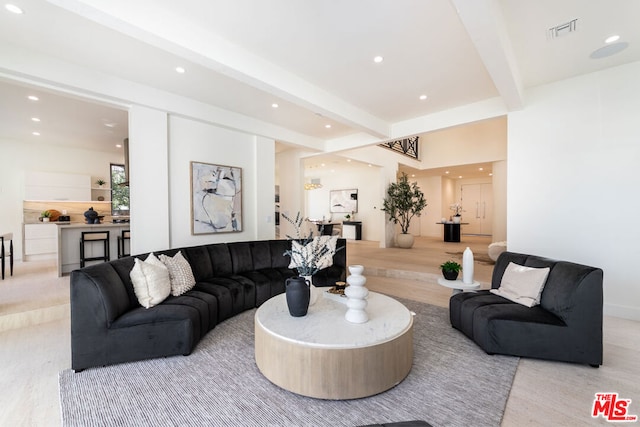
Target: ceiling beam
column 486, row 27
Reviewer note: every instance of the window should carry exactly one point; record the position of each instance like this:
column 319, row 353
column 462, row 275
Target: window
column 119, row 191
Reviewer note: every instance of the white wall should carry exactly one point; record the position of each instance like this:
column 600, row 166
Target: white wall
column 191, row 140
column 354, row 175
column 19, row 157
column 573, row 178
column 148, row 180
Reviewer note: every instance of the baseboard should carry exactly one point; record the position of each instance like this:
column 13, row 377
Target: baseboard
column 624, row 312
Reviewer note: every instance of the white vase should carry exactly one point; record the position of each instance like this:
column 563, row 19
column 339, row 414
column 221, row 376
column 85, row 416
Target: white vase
column 357, row 294
column 467, row 266
column 313, row 291
column 456, row 219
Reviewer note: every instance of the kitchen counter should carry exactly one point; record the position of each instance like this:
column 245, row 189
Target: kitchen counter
column 68, row 242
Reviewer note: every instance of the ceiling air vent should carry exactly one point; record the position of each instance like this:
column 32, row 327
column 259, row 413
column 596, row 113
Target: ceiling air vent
column 562, row 29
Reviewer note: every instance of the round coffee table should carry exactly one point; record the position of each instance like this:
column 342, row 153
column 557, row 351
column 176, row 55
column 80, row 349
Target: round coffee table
column 322, row 355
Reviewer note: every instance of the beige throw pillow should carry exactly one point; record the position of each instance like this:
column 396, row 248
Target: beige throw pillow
column 522, row 284
column 300, row 253
column 150, row 280
column 180, row 273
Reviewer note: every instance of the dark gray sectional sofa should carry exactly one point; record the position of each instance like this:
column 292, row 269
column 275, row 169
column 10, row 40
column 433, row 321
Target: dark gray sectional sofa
column 108, row 325
column 566, row 326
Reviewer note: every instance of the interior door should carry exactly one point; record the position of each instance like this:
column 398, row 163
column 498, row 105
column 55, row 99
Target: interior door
column 477, row 205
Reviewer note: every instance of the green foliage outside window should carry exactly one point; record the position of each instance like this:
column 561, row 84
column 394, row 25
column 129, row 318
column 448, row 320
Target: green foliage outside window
column 119, row 192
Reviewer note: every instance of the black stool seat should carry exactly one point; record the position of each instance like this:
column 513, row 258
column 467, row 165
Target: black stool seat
column 89, row 237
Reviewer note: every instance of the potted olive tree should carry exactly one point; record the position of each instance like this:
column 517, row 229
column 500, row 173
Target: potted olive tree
column 404, row 200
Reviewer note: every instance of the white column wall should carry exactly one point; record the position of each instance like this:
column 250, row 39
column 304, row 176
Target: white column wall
column 499, row 201
column 149, row 179
column 264, row 180
column 573, row 178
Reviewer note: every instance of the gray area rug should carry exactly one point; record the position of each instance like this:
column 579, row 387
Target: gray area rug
column 452, row 383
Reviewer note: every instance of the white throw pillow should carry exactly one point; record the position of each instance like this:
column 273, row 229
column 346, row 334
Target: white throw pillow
column 300, row 253
column 522, row 284
column 150, row 280
column 180, row 273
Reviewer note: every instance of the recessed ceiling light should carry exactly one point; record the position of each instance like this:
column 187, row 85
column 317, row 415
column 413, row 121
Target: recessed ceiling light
column 180, row 70
column 378, row 59
column 480, row 169
column 370, row 165
column 322, row 164
column 110, row 125
column 459, row 176
column 611, row 39
column 490, row 174
column 413, row 175
column 118, row 145
column 274, row 105
column 35, row 119
column 423, row 97
column 14, row 9
column 348, row 160
column 33, row 98
column 35, row 133
column 446, row 172
column 327, row 126
column 609, row 50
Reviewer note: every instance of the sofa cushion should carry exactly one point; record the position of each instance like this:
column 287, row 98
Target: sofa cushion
column 278, row 259
column 151, row 282
column 522, row 284
column 200, row 261
column 180, row 274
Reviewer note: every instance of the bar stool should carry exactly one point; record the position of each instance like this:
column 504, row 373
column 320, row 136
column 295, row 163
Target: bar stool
column 3, row 255
column 93, row 237
column 126, row 235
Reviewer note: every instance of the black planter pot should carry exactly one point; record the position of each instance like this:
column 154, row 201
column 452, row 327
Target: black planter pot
column 298, row 294
column 450, row 275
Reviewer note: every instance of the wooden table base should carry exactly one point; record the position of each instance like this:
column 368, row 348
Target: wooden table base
column 333, row 373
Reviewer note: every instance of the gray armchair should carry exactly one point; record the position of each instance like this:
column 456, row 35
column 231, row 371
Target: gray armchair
column 566, row 326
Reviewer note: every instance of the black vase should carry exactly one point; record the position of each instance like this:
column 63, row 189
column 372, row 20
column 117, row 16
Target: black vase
column 298, row 295
column 450, row 275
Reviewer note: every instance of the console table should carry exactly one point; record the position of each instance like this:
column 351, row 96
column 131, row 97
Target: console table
column 352, row 230
column 9, row 237
column 322, row 355
column 452, row 230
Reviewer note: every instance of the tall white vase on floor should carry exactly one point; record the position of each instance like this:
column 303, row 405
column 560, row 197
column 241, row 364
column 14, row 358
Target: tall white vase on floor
column 467, row 266
column 357, row 294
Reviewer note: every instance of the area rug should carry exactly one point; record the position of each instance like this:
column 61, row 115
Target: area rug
column 452, row 383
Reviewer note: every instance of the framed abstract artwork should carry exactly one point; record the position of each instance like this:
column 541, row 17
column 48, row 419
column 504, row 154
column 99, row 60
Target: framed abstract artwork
column 216, row 198
column 344, row 201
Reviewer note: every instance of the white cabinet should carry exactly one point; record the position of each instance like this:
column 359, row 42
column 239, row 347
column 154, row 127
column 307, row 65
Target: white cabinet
column 40, row 239
column 57, row 186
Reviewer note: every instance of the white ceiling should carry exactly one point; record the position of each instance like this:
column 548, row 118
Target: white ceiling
column 313, row 58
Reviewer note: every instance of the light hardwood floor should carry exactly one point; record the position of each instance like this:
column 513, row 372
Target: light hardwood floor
column 35, row 340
